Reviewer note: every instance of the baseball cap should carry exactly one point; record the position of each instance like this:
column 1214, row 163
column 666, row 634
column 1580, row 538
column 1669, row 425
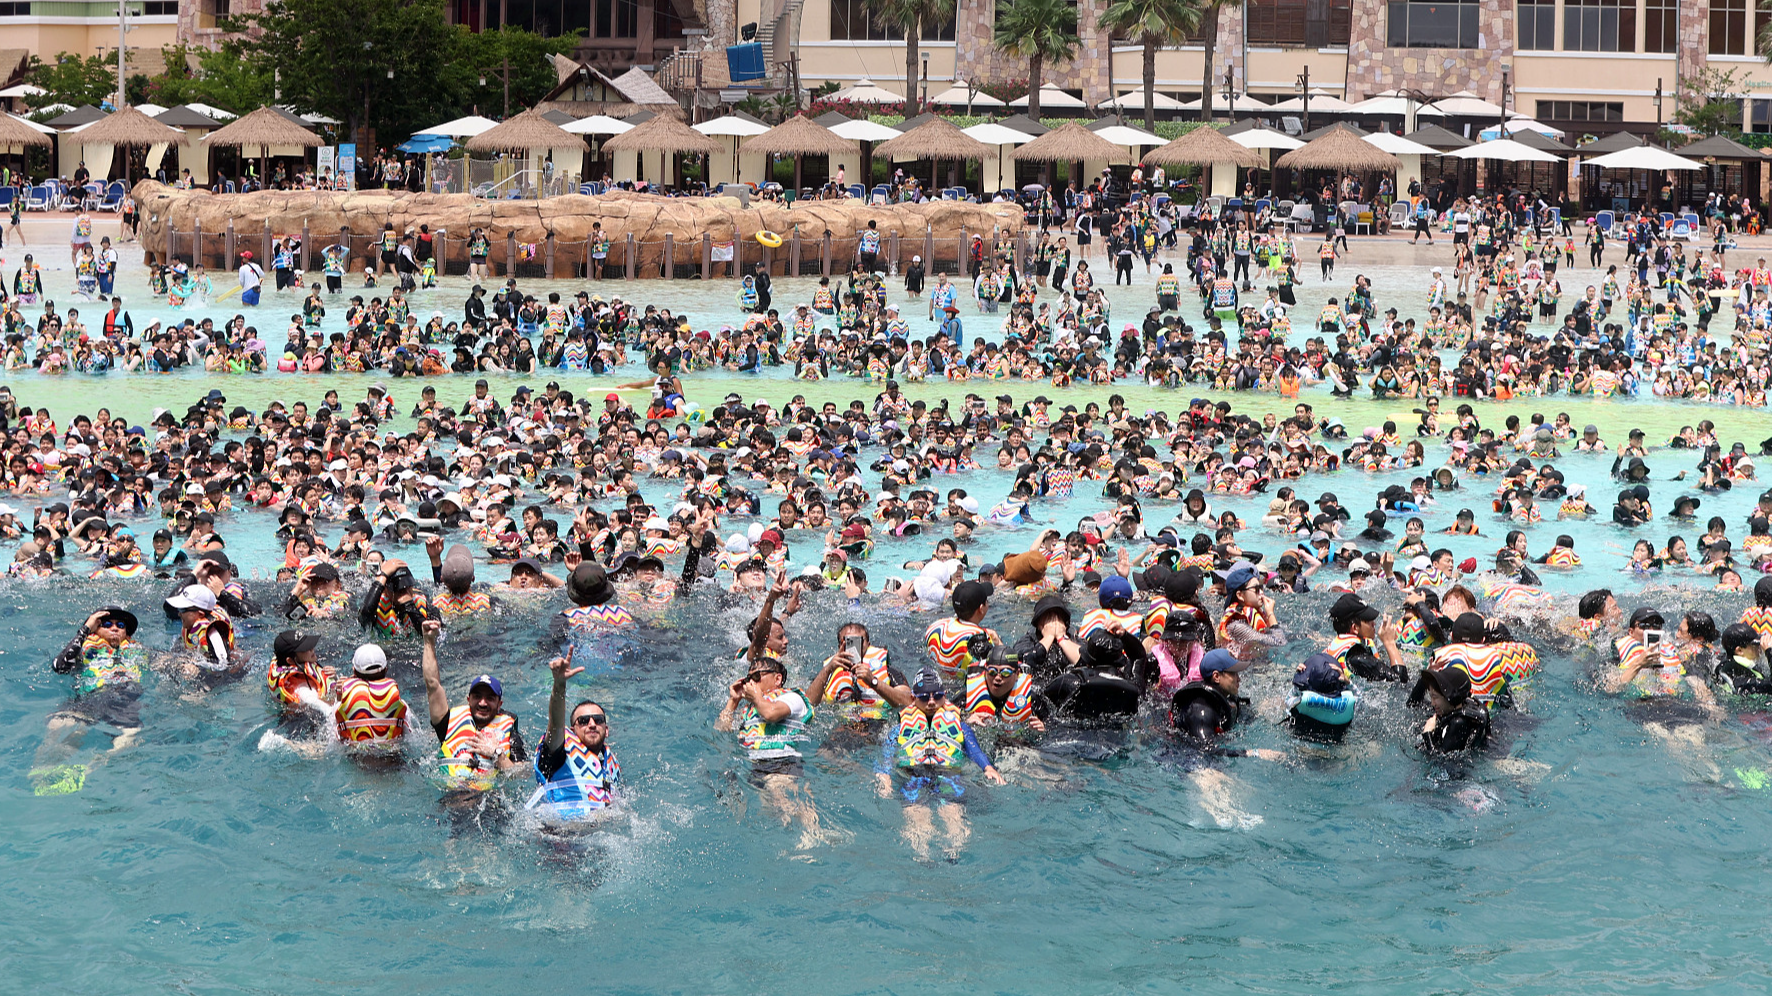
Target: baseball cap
column 370, row 661
column 194, row 597
column 1115, row 588
column 969, row 595
column 1352, row 608
column 490, row 682
column 291, row 641
column 1222, row 660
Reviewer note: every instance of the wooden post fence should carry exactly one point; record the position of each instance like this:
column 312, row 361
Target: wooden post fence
column 630, row 260
column 825, row 264
column 794, row 252
column 510, row 254
column 670, row 256
column 227, row 245
column 550, row 257
column 707, row 256
column 305, row 257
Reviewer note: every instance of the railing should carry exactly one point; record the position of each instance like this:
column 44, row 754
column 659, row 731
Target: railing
column 680, row 72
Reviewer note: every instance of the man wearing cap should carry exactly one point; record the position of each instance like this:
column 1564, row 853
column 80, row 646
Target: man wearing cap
column 319, row 593
column 1249, row 625
column 594, row 608
column 961, row 640
column 933, row 743
column 295, row 676
column 1490, row 662
column 1116, row 614
column 393, row 605
column 252, row 276
column 370, row 709
column 477, row 740
column 108, row 664
column 1204, row 711
column 206, row 627
column 1356, row 625
column 575, row 770
column 769, row 719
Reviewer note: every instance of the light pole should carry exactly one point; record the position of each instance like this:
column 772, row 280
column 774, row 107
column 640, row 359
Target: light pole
column 123, row 29
column 924, row 55
column 504, row 74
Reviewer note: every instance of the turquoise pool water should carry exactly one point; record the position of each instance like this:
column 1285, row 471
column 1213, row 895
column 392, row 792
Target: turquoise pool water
column 1589, row 855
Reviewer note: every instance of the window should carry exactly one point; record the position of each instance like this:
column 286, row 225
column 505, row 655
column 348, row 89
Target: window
column 1327, row 23
column 1599, row 25
column 15, row 8
column 1537, row 25
column 1759, row 117
column 1661, row 25
column 1729, row 27
column 1580, row 110
column 1444, row 24
column 160, row 8
column 851, row 21
column 1276, row 22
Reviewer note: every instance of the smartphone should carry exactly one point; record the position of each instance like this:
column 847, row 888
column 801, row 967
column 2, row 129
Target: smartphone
column 1652, row 637
column 853, row 644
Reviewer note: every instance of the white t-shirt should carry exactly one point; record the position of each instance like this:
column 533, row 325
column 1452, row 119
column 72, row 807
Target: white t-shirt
column 250, row 275
column 1461, row 221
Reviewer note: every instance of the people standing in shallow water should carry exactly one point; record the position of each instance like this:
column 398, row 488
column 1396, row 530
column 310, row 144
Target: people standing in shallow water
column 923, row 763
column 108, row 664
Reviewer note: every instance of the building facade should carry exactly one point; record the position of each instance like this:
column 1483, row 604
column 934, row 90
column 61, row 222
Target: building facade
column 47, row 28
column 1584, row 65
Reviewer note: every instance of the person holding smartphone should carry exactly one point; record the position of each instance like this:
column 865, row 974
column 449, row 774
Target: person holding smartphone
column 1649, row 665
column 861, row 683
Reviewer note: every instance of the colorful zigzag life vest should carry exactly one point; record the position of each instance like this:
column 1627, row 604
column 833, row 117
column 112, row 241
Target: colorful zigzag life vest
column 1017, row 708
column 460, row 766
column 1491, row 666
column 582, row 786
column 947, row 640
column 585, row 618
column 286, row 678
column 452, row 605
column 1759, row 617
column 370, row 711
column 937, row 740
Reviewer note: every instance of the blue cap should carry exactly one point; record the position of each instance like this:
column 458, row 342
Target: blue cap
column 490, row 682
column 1319, row 673
column 1113, row 588
column 928, row 683
column 1222, row 660
column 1238, row 577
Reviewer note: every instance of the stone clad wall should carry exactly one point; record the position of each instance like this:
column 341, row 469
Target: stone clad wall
column 978, row 59
column 1372, row 66
column 568, row 219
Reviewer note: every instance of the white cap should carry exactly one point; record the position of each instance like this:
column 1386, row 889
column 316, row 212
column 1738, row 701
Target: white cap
column 968, row 503
column 338, row 465
column 1358, row 565
column 370, row 661
column 738, row 543
column 657, row 523
column 1420, row 563
column 194, row 597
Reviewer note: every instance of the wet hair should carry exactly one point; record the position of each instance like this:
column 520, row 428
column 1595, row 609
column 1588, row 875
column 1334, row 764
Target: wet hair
column 1701, row 626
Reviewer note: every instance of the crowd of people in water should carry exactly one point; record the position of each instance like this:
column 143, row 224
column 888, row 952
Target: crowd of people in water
column 604, row 518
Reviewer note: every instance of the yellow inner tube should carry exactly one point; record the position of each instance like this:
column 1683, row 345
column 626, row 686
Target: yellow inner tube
column 768, row 238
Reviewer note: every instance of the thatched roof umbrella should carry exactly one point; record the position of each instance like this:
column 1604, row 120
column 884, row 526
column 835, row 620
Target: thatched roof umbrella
column 800, row 136
column 264, row 128
column 529, row 132
column 126, row 129
column 1339, row 149
column 1204, row 147
column 939, row 140
column 662, row 133
column 1069, row 143
column 16, row 132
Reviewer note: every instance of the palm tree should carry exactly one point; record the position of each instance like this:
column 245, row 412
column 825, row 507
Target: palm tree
column 1154, row 23
column 1209, row 17
column 1039, row 31
column 910, row 17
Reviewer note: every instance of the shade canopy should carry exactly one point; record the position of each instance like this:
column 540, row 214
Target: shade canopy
column 1435, row 137
column 1397, row 145
column 85, row 114
column 1204, row 147
column 1530, row 139
column 1339, row 149
column 959, row 95
column 426, row 143
column 1025, row 125
column 1050, row 96
column 14, row 131
column 865, row 92
column 1347, row 126
column 996, row 134
column 1264, row 138
column 1721, row 147
column 598, row 124
column 262, row 128
column 558, row 117
column 211, row 111
column 862, row 130
column 731, row 124
column 1134, row 100
column 186, row 116
column 1121, row 134
column 1643, row 157
column 800, row 136
column 937, row 138
column 1468, row 105
column 1503, row 150
column 1394, row 106
column 466, row 127
column 529, row 131
column 1517, row 125
column 130, row 127
column 662, row 133
column 1070, row 142
column 1614, row 142
column 1321, row 100
column 23, row 90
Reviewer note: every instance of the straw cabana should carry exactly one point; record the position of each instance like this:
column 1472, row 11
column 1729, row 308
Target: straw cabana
column 1207, row 147
column 263, row 128
column 537, row 135
column 126, row 129
column 939, row 140
column 1069, row 143
column 663, row 134
column 16, row 132
column 1339, row 149
column 800, row 136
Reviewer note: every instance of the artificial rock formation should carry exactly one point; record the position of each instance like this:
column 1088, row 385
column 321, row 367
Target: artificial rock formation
column 169, row 217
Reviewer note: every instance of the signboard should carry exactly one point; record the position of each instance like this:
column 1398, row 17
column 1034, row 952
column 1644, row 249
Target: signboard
column 324, row 159
column 347, row 164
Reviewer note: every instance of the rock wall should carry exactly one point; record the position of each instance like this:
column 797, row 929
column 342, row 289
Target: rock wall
column 1373, row 66
column 559, row 227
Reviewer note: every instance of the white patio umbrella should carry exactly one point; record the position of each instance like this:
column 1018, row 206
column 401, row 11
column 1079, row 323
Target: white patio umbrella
column 1134, row 100
column 1504, row 150
column 1128, row 136
column 213, row 112
column 1642, row 157
column 1394, row 106
column 466, row 127
column 731, row 124
column 865, row 92
column 1050, row 96
column 959, row 95
column 45, row 129
column 1265, row 138
column 151, row 110
column 597, row 124
column 1397, row 145
column 863, row 130
column 996, row 134
column 23, row 90
column 1517, row 125
column 1321, row 100
column 1468, row 105
column 1244, row 103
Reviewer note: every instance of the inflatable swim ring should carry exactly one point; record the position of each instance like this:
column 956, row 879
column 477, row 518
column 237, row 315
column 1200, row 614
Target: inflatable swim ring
column 768, row 238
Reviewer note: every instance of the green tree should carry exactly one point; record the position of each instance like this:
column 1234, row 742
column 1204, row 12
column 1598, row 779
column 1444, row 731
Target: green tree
column 485, row 55
column 912, row 17
column 1704, row 104
column 1209, row 39
column 1154, row 23
column 1040, row 31
column 72, row 80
